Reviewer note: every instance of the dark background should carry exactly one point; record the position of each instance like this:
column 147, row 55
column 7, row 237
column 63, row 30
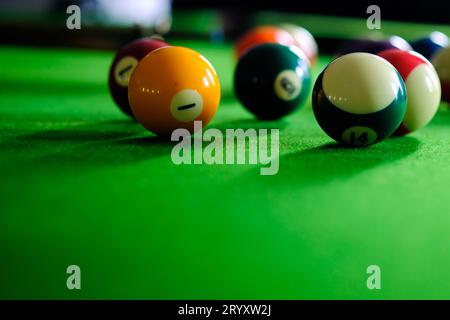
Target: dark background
column 431, row 11
column 236, row 16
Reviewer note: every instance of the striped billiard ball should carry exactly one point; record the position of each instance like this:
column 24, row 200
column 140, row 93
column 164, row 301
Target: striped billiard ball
column 428, row 46
column 422, row 85
column 261, row 35
column 304, row 40
column 272, row 80
column 359, row 99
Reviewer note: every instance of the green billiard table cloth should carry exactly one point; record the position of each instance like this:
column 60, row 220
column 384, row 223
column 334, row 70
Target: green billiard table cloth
column 82, row 184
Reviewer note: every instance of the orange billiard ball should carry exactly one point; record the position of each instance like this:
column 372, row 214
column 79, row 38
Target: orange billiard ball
column 171, row 88
column 263, row 34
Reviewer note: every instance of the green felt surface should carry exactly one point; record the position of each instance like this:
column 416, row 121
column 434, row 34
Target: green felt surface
column 81, row 184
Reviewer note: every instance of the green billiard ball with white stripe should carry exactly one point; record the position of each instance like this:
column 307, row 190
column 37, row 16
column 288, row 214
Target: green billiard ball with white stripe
column 359, row 99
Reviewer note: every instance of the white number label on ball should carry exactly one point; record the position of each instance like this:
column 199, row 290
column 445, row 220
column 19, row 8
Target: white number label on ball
column 359, row 136
column 124, row 69
column 186, row 105
column 287, row 85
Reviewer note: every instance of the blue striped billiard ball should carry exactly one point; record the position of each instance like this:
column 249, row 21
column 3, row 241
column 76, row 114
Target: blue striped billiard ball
column 428, row 46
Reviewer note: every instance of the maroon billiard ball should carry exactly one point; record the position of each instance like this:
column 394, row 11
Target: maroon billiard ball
column 123, row 66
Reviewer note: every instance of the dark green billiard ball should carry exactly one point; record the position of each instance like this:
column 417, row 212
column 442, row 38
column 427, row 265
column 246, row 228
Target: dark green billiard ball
column 272, row 80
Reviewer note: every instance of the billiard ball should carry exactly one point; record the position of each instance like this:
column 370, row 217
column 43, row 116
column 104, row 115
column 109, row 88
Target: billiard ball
column 431, row 44
column 303, row 39
column 171, row 88
column 359, row 99
column 123, row 65
column 260, row 35
column 372, row 45
column 441, row 62
column 272, row 80
column 422, row 86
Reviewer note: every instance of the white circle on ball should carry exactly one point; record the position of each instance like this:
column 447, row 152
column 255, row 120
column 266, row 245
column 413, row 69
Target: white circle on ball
column 186, row 105
column 287, row 85
column 123, row 70
column 359, row 136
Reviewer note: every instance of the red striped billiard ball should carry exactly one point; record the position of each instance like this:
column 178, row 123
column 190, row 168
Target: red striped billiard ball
column 422, row 87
